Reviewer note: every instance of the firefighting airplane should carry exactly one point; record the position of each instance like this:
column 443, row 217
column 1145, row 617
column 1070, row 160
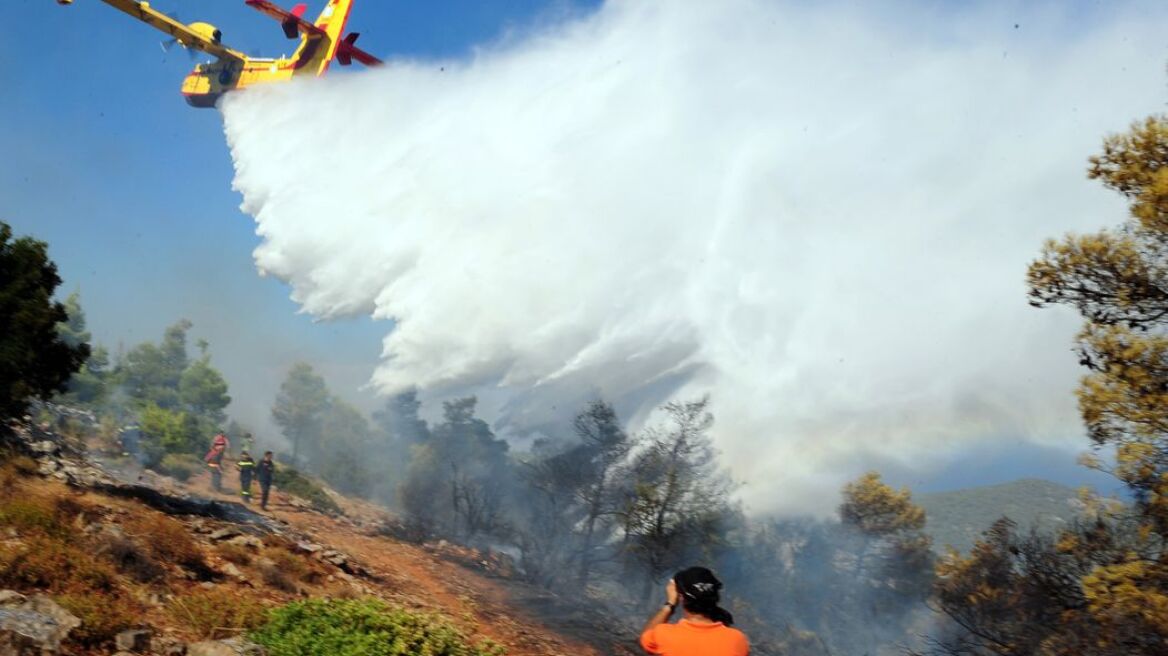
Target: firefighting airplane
column 320, row 43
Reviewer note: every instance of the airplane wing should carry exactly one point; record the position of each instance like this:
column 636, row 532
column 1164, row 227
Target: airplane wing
column 292, row 21
column 347, row 52
column 185, row 35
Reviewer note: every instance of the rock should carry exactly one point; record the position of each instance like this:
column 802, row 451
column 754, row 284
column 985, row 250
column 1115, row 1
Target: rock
column 231, row 570
column 249, row 541
column 46, row 447
column 32, row 625
column 225, row 533
column 133, row 640
column 168, row 646
column 335, row 557
column 308, row 547
column 232, row 647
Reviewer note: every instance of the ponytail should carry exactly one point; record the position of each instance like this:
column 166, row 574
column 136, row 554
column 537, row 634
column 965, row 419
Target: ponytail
column 709, row 609
column 699, row 588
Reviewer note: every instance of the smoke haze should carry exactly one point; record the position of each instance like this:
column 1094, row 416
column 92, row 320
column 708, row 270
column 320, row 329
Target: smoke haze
column 822, row 217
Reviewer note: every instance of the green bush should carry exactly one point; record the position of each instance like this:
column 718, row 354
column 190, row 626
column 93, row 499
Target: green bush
column 180, row 466
column 366, row 627
column 293, row 482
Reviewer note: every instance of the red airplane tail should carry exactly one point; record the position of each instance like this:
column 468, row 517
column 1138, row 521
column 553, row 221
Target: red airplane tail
column 327, row 29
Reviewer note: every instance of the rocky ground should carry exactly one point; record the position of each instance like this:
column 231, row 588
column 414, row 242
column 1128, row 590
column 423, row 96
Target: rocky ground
column 269, row 558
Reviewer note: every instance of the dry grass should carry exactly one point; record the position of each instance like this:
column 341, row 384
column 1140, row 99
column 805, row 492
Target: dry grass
column 131, row 558
column 169, row 540
column 277, row 578
column 297, row 567
column 102, row 616
column 51, row 564
column 234, row 553
column 216, row 613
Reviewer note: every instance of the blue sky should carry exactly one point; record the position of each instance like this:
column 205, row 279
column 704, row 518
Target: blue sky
column 131, row 188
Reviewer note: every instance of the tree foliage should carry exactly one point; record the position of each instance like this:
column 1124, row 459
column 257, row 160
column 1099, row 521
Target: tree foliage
column 90, row 385
column 203, row 390
column 35, row 361
column 300, row 407
column 180, row 403
column 677, row 502
column 458, row 481
column 1100, row 588
column 151, row 373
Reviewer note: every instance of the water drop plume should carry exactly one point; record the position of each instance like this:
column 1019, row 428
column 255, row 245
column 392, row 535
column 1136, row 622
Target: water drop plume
column 819, row 215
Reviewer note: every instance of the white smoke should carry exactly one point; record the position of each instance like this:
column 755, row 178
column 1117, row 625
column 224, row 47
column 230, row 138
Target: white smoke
column 822, row 217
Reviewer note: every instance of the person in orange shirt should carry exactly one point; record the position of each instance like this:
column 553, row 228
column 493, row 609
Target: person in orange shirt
column 704, row 629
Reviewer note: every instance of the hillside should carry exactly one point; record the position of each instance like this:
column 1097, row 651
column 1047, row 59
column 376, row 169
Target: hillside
column 154, row 566
column 957, row 518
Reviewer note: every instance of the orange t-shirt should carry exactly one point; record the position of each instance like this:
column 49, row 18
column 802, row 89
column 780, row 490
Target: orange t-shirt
column 691, row 639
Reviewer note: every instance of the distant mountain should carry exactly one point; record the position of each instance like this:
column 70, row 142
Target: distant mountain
column 957, row 518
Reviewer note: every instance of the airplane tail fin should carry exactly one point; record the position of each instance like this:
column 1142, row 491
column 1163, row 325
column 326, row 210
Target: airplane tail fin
column 321, row 41
column 332, row 21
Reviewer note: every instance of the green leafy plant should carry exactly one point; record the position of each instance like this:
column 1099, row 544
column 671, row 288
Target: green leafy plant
column 362, row 627
column 292, row 482
column 179, row 466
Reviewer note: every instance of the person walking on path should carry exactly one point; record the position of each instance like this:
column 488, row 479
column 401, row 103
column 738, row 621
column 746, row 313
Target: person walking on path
column 264, row 472
column 214, row 460
column 704, row 629
column 246, row 467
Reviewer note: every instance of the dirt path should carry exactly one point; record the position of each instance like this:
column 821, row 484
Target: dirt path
column 521, row 618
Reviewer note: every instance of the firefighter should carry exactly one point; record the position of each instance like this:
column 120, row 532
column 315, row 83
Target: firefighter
column 264, row 472
column 214, row 460
column 246, row 467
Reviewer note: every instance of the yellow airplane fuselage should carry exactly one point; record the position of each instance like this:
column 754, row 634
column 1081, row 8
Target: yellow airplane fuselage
column 204, row 86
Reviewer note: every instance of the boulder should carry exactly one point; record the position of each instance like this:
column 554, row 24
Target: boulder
column 32, row 625
column 248, row 541
column 133, row 640
column 168, row 646
column 233, row 571
column 225, row 533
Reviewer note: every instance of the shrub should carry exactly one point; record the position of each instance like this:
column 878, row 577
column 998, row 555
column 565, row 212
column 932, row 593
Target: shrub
column 20, row 464
column 287, row 561
column 277, row 578
column 234, row 553
column 168, row 540
column 293, row 482
column 29, row 514
column 180, row 466
column 173, row 431
column 216, row 613
column 130, row 558
column 102, row 616
column 44, row 562
column 365, row 627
